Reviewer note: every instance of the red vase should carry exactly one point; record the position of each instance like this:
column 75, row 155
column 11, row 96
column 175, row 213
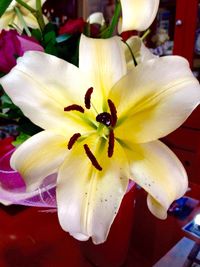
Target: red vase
column 113, row 252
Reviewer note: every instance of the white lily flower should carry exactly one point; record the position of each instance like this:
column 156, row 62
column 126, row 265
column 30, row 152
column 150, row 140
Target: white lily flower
column 10, row 17
column 101, row 127
column 138, row 14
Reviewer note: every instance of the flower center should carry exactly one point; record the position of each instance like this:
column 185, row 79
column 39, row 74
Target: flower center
column 105, row 118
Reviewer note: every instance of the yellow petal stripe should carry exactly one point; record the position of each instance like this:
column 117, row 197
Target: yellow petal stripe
column 154, row 99
column 155, row 168
column 102, row 62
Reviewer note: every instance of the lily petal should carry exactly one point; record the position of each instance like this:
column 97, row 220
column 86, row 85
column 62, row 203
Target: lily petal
column 156, row 168
column 35, row 88
column 102, row 62
column 88, row 199
column 39, row 156
column 155, row 98
column 138, row 14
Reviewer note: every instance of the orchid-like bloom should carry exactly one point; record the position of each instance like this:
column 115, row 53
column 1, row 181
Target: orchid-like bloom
column 101, row 128
column 138, row 14
column 10, row 17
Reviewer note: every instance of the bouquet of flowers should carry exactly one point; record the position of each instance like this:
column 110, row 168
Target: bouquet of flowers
column 90, row 108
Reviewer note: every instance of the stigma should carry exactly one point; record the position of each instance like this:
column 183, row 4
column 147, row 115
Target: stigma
column 104, row 118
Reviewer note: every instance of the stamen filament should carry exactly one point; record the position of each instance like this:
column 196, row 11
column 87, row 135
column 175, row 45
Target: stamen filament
column 73, row 140
column 113, row 112
column 88, row 98
column 111, row 143
column 92, row 158
column 74, row 107
column 94, row 108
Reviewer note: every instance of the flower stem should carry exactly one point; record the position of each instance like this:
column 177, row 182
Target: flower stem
column 22, row 3
column 109, row 31
column 22, row 21
column 147, row 32
column 39, row 15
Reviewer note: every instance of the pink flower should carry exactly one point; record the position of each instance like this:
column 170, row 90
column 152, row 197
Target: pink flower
column 13, row 45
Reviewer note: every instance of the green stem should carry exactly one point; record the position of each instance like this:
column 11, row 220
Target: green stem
column 22, row 3
column 22, row 21
column 39, row 15
column 131, row 52
column 109, row 31
column 145, row 34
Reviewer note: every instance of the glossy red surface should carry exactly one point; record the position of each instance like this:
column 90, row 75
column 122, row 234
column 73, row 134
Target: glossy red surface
column 33, row 237
column 30, row 237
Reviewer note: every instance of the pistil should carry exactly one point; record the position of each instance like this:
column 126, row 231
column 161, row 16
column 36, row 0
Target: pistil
column 104, row 118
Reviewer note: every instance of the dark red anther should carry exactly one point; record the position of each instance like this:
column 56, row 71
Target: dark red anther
column 74, row 107
column 111, row 142
column 113, row 112
column 73, row 140
column 88, row 98
column 92, row 158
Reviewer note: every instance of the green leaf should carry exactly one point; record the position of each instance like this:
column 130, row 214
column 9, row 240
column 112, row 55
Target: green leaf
column 50, row 27
column 109, row 31
column 3, row 116
column 50, row 37
column 51, row 49
column 37, row 34
column 20, row 139
column 4, row 4
column 6, row 99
